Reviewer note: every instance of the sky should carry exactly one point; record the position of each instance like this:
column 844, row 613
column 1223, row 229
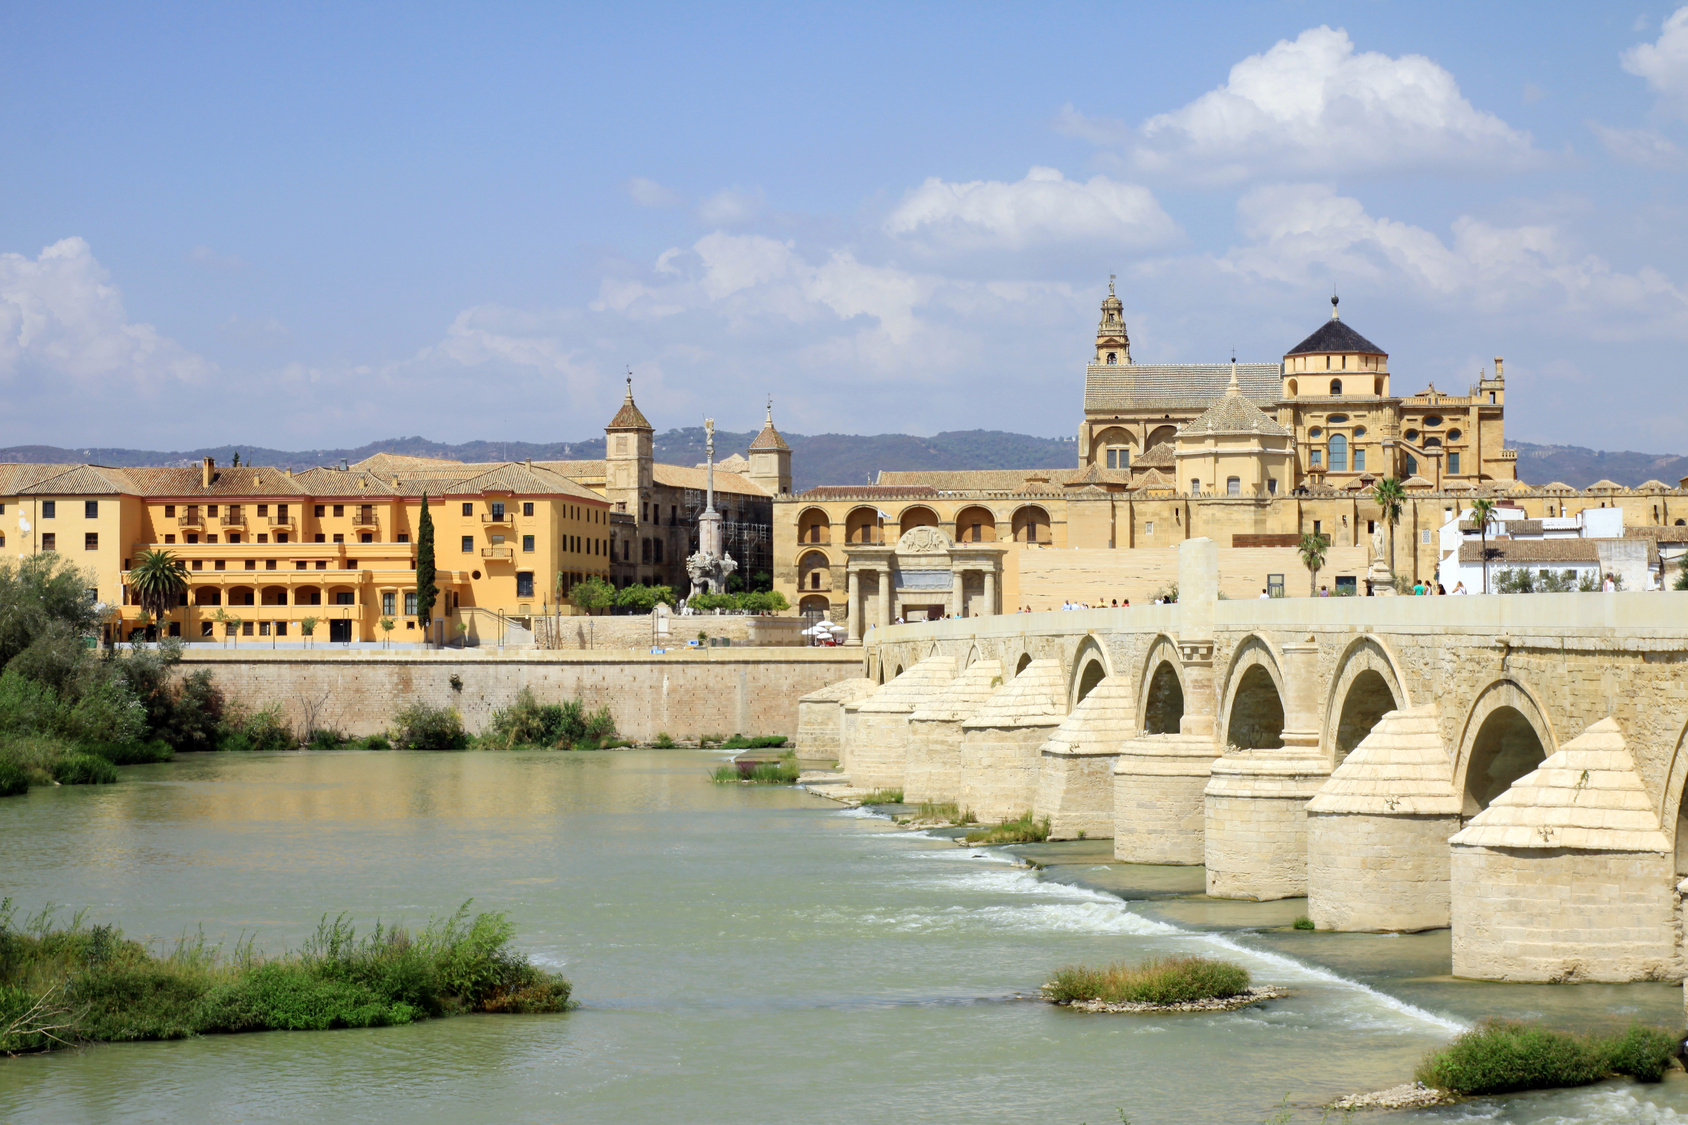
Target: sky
column 312, row 225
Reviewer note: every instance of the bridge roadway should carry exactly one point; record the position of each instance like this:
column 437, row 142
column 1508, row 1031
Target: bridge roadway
column 1510, row 766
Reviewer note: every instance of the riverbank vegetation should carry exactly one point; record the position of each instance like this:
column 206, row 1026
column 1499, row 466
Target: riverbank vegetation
column 1503, row 1056
column 782, row 772
column 1158, row 980
column 1023, row 829
column 65, row 985
column 883, row 797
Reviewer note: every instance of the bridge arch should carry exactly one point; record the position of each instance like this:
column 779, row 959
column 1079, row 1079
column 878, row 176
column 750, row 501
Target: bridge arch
column 972, row 656
column 1090, row 667
column 1366, row 686
column 1506, row 734
column 1254, row 697
column 1160, row 691
column 1023, row 663
column 1672, row 807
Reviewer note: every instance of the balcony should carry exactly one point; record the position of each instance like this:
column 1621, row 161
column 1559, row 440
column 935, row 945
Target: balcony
column 192, row 519
column 364, row 518
column 498, row 517
column 498, row 552
column 279, row 521
column 234, row 519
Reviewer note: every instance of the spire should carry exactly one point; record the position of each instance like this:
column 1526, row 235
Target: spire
column 1235, row 389
column 1333, row 300
column 769, row 438
column 628, row 417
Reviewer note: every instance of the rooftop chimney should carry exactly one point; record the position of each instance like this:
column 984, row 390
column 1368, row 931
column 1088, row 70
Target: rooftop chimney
column 207, row 472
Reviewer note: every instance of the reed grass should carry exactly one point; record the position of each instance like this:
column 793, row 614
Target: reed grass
column 63, row 985
column 1158, row 980
column 883, row 797
column 1024, row 829
column 1502, row 1056
column 782, row 772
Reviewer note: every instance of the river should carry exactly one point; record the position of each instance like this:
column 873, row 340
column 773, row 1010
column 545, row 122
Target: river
column 739, row 954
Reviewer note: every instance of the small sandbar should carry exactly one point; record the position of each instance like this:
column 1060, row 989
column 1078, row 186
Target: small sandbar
column 1408, row 1095
column 1212, row 1004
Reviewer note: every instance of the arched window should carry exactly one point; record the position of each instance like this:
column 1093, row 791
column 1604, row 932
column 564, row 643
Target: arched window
column 1314, row 432
column 1292, row 388
column 1233, row 486
column 1112, row 358
column 917, row 516
column 975, row 525
column 1031, row 525
column 1412, row 465
column 814, row 526
column 1338, row 446
column 1359, row 432
column 1336, row 386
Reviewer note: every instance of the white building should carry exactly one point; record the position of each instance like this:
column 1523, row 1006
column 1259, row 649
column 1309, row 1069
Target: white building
column 1578, row 549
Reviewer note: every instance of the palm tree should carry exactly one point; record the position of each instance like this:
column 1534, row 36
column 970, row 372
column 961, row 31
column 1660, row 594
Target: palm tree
column 1483, row 514
column 1390, row 497
column 158, row 582
column 1313, row 546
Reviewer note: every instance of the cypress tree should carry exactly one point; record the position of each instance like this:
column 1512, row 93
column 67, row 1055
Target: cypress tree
column 426, row 592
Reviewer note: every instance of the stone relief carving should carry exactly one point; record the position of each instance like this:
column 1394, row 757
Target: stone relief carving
column 923, row 541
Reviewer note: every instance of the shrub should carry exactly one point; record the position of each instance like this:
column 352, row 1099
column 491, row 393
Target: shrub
column 755, row 742
column 1302, row 922
column 946, row 811
column 258, row 731
column 1158, row 980
column 132, row 753
column 1022, row 830
column 377, row 742
column 320, row 739
column 782, row 772
column 13, row 782
column 1643, row 1053
column 883, row 797
column 421, row 727
column 84, row 769
column 663, row 741
column 527, row 722
column 1502, row 1056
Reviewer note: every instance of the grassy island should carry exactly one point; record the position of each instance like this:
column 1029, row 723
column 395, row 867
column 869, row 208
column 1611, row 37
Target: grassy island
column 782, row 772
column 1503, row 1056
column 61, row 986
column 1159, row 980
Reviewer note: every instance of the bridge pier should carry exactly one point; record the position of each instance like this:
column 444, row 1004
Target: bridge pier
column 1377, row 831
column 934, row 734
column 1075, row 787
column 820, row 718
column 879, row 747
column 1002, row 742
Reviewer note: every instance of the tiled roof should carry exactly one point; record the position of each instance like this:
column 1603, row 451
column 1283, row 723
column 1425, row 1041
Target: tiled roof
column 1586, row 795
column 1604, row 486
column 1175, row 386
column 1513, row 528
column 1154, row 479
column 523, row 480
column 1334, row 336
column 769, row 438
column 628, row 417
column 1234, row 414
column 388, row 464
column 576, row 469
column 679, row 476
column 1531, row 551
column 866, row 492
column 1159, row 456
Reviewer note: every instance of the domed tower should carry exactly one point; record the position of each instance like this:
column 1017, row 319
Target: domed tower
column 628, row 454
column 1336, row 401
column 1336, row 362
column 770, row 458
column 1113, row 343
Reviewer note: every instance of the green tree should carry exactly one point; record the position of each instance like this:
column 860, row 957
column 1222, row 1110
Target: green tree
column 426, row 592
column 159, row 582
column 1312, row 549
column 1390, row 496
column 237, row 458
column 643, row 599
column 386, row 624
column 594, row 594
column 41, row 594
column 1682, row 574
column 1483, row 514
column 307, row 626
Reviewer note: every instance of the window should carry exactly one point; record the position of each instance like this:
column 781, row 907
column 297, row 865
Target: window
column 263, row 537
column 1317, row 524
column 1113, row 459
column 468, row 544
column 49, row 541
column 1336, row 386
column 387, row 602
column 281, row 537
column 205, row 628
column 367, row 537
column 211, row 511
column 1347, row 586
column 1424, row 535
column 343, row 597
column 246, row 628
column 1195, row 486
column 91, row 509
column 656, row 551
column 1275, row 585
column 527, row 543
column 1314, row 458
column 1412, row 465
column 1491, row 398
column 269, row 564
column 339, row 538
column 1315, row 432
column 1338, row 453
column 169, row 511
column 251, row 564
column 1453, row 463
column 198, row 564
column 1453, row 435
column 1113, row 357
column 218, row 565
column 320, row 537
column 263, row 510
column 319, row 510
column 498, row 509
column 527, row 507
column 322, row 564
column 1272, row 486
column 91, row 541
column 263, row 628
column 673, row 514
column 404, row 537
column 234, row 537
column 1149, row 527
column 1337, row 419
column 524, row 584
column 339, row 509
column 281, row 628
column 469, row 509
column 410, row 603
column 1359, row 460
column 167, row 539
column 645, row 512
column 1233, row 486
column 644, row 550
column 210, row 538
column 49, row 509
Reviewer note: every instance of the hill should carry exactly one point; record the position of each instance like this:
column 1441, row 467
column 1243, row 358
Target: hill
column 827, row 458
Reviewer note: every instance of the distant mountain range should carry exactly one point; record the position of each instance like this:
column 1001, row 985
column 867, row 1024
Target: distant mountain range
column 826, row 458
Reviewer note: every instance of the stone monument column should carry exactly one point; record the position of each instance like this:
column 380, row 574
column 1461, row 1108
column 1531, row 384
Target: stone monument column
column 885, row 593
column 958, row 591
column 990, row 593
column 853, row 604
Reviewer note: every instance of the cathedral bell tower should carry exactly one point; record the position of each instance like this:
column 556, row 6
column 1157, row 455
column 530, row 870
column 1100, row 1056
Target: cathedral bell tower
column 628, row 456
column 1113, row 343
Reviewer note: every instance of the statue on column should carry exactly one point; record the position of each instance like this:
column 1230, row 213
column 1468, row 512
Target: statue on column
column 710, row 566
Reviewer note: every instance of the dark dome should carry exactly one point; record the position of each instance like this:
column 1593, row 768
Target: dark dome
column 1335, row 336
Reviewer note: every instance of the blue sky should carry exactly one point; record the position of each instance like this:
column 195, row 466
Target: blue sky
column 318, row 225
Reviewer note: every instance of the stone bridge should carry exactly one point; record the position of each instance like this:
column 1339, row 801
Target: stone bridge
column 1510, row 766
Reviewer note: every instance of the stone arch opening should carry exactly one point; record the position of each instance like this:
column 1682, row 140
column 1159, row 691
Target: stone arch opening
column 1112, row 448
column 814, row 526
column 1162, row 435
column 1023, row 664
column 814, row 604
column 898, row 672
column 1031, row 525
column 975, row 525
column 1256, row 721
column 274, row 595
column 1368, row 699
column 1163, row 713
column 242, row 595
column 1092, row 675
column 207, row 595
column 918, row 516
column 814, row 571
column 1505, row 749
column 862, row 526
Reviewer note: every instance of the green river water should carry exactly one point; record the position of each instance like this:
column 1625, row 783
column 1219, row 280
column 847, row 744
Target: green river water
column 739, row 954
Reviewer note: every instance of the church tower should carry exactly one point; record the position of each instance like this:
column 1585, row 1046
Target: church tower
column 628, row 456
column 770, row 458
column 1113, row 343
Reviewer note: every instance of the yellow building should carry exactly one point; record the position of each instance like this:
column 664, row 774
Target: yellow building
column 265, row 549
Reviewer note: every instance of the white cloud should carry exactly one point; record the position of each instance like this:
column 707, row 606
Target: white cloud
column 1305, row 234
column 1664, row 64
column 649, row 193
column 60, row 318
column 1044, row 208
column 1315, row 107
column 1644, row 148
column 730, row 207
